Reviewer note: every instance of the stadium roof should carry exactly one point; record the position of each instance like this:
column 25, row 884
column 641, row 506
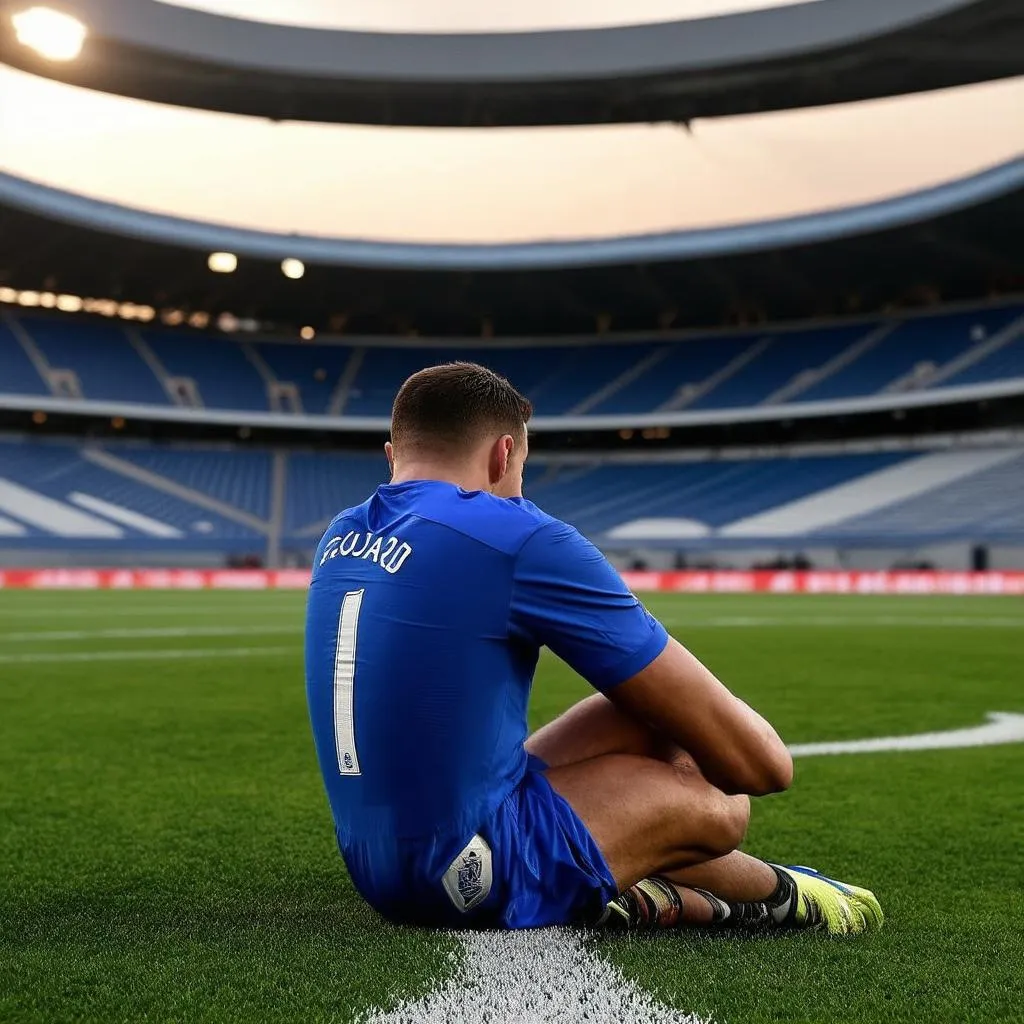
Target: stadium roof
column 960, row 240
column 831, row 51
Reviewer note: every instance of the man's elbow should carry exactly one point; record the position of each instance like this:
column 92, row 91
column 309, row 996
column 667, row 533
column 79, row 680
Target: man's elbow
column 770, row 773
column 776, row 774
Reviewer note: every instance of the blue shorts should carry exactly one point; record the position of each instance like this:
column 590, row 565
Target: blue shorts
column 533, row 863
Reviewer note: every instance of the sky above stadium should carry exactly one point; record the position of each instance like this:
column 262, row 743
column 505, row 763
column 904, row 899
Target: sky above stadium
column 457, row 185
column 470, row 15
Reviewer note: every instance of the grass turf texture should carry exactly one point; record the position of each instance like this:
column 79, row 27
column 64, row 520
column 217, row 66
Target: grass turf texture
column 166, row 851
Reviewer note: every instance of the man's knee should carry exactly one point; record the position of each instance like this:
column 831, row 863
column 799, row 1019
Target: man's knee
column 734, row 817
column 724, row 818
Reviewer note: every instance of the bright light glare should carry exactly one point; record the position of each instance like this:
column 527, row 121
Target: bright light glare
column 293, row 269
column 222, row 262
column 51, row 34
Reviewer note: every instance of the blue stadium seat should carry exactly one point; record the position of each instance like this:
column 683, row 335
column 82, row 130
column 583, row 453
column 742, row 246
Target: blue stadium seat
column 237, row 478
column 102, row 357
column 713, row 493
column 981, row 503
column 225, row 378
column 17, row 374
column 556, row 377
column 1004, row 363
column 314, row 369
column 687, row 362
column 322, row 485
column 936, row 339
column 531, row 370
column 786, row 356
column 58, row 471
column 577, row 373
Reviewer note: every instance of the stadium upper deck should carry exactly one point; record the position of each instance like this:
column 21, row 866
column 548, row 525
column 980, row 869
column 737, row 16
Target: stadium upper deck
column 894, row 359
column 798, row 55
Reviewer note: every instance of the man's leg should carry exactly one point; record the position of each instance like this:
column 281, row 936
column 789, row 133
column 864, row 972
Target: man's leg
column 653, row 813
column 713, row 822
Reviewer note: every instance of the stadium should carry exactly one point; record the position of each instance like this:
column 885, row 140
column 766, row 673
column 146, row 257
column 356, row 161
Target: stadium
column 758, row 270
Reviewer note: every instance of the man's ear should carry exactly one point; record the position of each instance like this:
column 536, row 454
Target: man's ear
column 389, row 451
column 498, row 460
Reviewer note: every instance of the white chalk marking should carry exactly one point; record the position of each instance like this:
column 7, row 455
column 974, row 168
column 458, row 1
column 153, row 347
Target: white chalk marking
column 143, row 655
column 1001, row 727
column 832, row 622
column 105, row 613
column 536, row 977
column 147, row 633
column 547, row 976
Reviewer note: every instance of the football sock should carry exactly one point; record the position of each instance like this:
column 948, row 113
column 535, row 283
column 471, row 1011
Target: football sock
column 777, row 909
column 652, row 903
column 656, row 902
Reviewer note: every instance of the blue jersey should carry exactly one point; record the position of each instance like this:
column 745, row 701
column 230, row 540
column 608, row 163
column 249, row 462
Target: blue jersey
column 427, row 610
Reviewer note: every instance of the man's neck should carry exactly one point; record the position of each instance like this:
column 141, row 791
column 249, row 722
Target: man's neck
column 460, row 476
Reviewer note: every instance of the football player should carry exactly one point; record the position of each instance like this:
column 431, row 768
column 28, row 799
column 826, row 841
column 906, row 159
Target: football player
column 428, row 608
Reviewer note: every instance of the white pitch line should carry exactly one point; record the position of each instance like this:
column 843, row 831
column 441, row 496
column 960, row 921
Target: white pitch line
column 150, row 633
column 1001, row 727
column 107, row 612
column 753, row 621
column 143, row 655
column 546, row 976
column 549, row 976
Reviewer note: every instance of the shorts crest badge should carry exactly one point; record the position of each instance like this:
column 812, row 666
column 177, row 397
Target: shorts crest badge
column 469, row 878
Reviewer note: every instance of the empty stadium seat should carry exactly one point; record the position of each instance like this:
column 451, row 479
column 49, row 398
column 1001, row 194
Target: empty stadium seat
column 100, row 354
column 225, row 378
column 132, row 495
column 54, row 492
column 718, row 371
column 17, row 374
column 935, row 339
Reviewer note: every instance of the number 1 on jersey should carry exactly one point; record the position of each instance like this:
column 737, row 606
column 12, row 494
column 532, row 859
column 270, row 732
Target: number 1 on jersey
column 344, row 684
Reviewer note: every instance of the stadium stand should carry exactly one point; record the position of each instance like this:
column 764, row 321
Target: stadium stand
column 99, row 354
column 717, row 371
column 17, row 374
column 63, row 493
column 909, row 355
column 223, row 377
column 141, row 496
column 224, row 501
column 237, row 478
column 710, row 494
column 988, row 502
column 320, row 485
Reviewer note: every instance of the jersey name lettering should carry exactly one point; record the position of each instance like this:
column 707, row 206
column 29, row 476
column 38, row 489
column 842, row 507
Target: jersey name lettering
column 389, row 553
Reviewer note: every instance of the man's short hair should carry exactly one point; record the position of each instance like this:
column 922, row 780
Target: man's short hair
column 454, row 405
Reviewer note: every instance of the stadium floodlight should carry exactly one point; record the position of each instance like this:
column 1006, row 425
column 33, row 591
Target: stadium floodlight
column 222, row 262
column 293, row 269
column 52, row 34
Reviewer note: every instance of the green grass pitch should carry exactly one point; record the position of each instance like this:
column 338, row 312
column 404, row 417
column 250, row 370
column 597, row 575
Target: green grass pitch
column 166, row 851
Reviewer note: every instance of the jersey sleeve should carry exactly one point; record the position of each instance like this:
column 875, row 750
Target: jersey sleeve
column 566, row 596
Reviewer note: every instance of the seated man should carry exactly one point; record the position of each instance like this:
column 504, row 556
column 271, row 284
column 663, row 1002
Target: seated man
column 428, row 607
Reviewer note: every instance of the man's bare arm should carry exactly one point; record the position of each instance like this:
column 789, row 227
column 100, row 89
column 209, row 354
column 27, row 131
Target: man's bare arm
column 735, row 748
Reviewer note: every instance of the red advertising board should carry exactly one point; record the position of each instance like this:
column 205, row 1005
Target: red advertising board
column 690, row 582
